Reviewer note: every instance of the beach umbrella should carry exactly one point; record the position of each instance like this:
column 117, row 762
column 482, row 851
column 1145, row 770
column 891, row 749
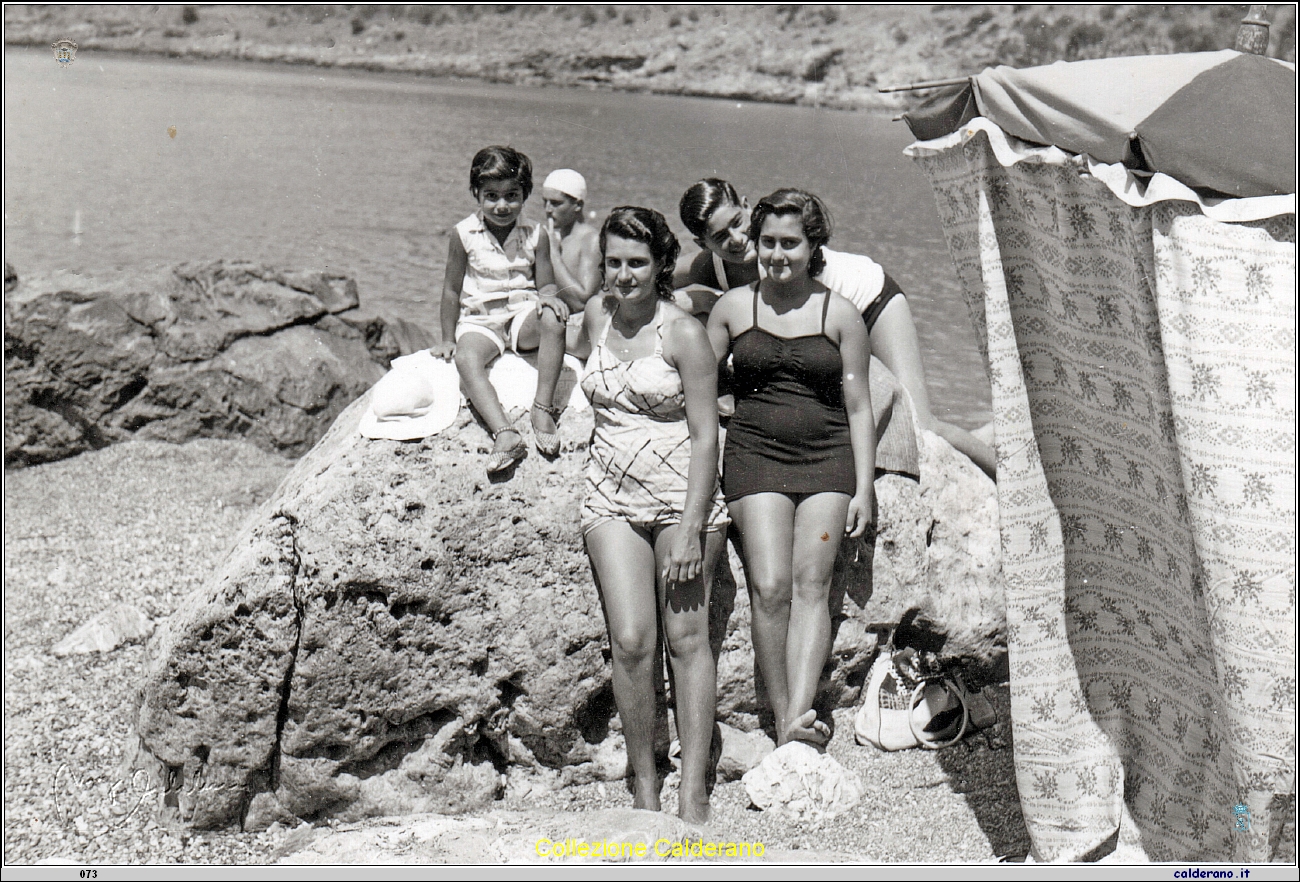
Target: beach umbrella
column 1221, row 121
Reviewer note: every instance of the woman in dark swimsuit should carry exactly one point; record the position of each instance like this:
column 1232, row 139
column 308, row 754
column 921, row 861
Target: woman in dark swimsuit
column 800, row 453
column 720, row 221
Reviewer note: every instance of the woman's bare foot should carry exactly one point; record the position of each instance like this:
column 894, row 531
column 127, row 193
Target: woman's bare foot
column 693, row 810
column 645, row 794
column 809, row 730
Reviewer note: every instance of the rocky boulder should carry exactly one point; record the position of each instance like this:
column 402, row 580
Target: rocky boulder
column 395, row 632
column 224, row 349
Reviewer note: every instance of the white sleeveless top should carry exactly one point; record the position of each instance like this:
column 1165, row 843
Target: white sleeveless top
column 495, row 274
column 855, row 277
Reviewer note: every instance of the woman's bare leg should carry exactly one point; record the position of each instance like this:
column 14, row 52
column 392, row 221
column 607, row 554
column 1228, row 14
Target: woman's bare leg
column 624, row 560
column 894, row 342
column 695, row 676
column 818, row 529
column 766, row 524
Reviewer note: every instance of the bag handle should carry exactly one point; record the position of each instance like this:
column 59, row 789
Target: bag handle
column 925, row 738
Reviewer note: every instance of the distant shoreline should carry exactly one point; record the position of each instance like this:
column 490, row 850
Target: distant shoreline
column 832, row 56
column 376, row 66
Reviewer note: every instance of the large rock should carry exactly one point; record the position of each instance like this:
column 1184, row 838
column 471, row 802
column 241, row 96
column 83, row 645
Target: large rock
column 394, row 630
column 388, row 594
column 222, row 350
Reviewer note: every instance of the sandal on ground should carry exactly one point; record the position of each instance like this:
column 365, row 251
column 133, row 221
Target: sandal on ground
column 548, row 443
column 501, row 460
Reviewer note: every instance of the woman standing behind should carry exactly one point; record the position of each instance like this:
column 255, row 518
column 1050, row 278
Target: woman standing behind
column 800, row 455
column 653, row 517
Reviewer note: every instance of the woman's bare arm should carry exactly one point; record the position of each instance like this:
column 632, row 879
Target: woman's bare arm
column 592, row 319
column 687, row 348
column 720, row 323
column 845, row 323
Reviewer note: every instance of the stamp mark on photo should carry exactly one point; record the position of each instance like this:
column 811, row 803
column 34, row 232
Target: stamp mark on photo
column 65, row 52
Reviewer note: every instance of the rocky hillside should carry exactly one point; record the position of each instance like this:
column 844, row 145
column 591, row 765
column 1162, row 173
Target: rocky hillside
column 830, row 55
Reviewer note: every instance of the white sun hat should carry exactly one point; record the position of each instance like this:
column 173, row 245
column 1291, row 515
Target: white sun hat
column 419, row 397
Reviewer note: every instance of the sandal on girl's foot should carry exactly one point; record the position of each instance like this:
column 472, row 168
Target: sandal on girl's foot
column 501, row 460
column 548, row 443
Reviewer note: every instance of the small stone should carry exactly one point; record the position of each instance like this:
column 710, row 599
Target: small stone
column 107, row 631
column 796, row 781
column 741, row 751
column 610, row 758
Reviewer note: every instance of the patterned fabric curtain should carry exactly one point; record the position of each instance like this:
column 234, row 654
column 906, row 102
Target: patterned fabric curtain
column 1141, row 345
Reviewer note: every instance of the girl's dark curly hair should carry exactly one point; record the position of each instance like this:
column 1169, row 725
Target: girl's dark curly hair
column 702, row 200
column 501, row 164
column 814, row 216
column 649, row 227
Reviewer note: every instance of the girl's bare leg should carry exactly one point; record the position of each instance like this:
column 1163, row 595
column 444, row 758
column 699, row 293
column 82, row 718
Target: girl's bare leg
column 474, row 352
column 544, row 333
column 624, row 560
column 695, row 677
column 766, row 523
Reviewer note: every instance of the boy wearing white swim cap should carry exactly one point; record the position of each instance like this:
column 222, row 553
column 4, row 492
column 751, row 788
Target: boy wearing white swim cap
column 577, row 272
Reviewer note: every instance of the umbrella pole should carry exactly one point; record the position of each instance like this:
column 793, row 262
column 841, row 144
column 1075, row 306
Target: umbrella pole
column 1252, row 35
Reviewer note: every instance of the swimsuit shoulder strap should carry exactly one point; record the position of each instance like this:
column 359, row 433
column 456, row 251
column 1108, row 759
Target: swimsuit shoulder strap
column 659, row 329
column 720, row 270
column 605, row 333
column 755, row 324
column 826, row 305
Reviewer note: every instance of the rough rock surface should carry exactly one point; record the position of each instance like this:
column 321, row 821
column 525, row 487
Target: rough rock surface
column 797, row 781
column 393, row 631
column 222, row 350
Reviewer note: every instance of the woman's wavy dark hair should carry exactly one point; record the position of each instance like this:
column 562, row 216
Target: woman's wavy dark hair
column 814, row 217
column 701, row 200
column 501, row 164
column 651, row 228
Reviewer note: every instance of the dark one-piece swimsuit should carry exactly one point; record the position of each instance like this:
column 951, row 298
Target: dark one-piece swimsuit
column 790, row 432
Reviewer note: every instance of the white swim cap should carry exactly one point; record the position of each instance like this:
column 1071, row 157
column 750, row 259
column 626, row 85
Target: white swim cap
column 568, row 182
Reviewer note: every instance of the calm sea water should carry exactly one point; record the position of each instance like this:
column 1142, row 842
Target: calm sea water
column 123, row 162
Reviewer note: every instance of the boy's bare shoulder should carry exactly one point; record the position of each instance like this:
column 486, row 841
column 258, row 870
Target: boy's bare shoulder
column 585, row 235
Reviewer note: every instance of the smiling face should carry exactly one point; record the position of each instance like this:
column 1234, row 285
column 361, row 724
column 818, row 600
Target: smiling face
column 562, row 209
column 501, row 201
column 728, row 234
column 630, row 270
column 783, row 249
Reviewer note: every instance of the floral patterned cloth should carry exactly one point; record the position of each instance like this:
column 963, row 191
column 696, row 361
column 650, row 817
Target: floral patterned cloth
column 1141, row 354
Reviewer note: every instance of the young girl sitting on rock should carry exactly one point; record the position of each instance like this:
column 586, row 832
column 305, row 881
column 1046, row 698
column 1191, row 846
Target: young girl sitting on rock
column 499, row 291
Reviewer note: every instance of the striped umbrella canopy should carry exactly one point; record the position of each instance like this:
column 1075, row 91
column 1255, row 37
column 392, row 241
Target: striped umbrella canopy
column 1220, row 121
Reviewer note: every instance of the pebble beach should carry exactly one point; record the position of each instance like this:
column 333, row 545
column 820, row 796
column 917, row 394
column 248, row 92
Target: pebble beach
column 144, row 523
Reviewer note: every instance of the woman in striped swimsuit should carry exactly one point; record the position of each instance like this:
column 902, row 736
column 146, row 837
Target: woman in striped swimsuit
column 653, row 518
